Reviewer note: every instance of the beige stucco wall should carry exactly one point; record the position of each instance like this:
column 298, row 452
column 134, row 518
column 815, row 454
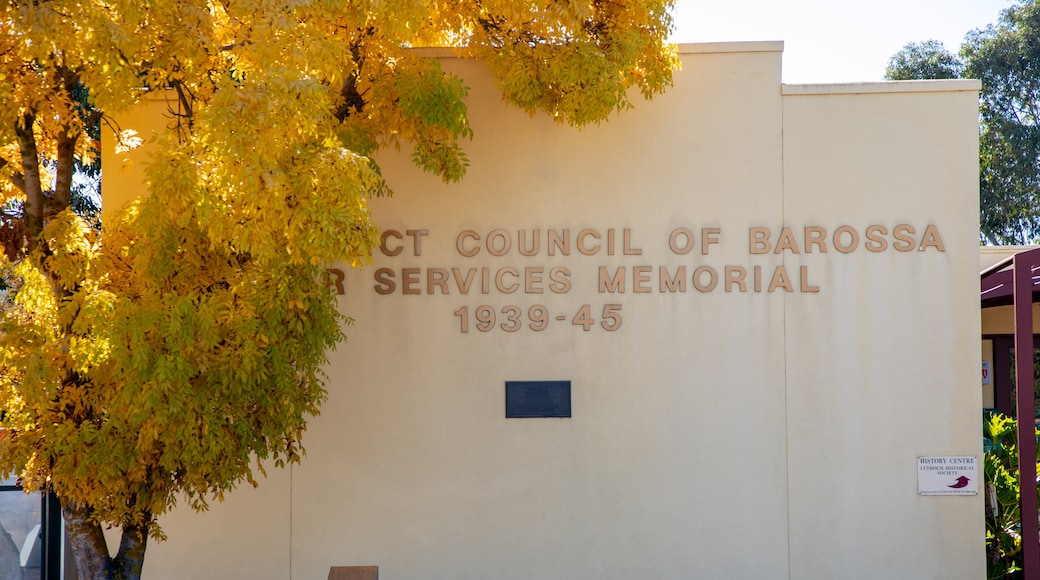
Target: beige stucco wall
column 124, row 172
column 717, row 434
column 875, row 373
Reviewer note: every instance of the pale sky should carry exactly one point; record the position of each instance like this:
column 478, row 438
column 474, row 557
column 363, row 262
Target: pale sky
column 831, row 41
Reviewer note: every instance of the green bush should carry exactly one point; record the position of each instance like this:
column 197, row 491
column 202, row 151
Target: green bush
column 1003, row 517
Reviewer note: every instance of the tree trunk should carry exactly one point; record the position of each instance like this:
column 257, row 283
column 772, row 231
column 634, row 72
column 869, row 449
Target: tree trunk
column 66, row 153
column 88, row 544
column 31, row 176
column 91, row 550
column 130, row 559
column 66, row 150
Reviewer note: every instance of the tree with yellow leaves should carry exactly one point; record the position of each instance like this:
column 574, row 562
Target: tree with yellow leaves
column 172, row 355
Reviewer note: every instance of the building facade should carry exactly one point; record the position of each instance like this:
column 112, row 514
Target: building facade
column 730, row 324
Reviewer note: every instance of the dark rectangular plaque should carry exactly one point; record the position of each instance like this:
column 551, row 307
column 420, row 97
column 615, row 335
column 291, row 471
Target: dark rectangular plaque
column 354, row 573
column 526, row 399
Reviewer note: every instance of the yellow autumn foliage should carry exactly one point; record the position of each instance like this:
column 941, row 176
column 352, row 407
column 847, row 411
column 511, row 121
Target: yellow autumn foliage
column 161, row 359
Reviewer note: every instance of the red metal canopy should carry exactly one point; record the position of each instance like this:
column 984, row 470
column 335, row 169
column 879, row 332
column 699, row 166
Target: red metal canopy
column 1015, row 281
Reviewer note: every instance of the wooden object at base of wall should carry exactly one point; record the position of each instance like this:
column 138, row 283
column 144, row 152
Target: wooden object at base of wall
column 354, row 573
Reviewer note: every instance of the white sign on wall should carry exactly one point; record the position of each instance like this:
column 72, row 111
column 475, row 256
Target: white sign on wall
column 987, row 373
column 947, row 475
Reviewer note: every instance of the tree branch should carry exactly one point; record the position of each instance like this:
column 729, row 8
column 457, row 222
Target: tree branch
column 32, row 185
column 19, row 181
column 185, row 114
column 66, row 152
column 16, row 178
column 352, row 99
column 132, row 545
column 66, row 148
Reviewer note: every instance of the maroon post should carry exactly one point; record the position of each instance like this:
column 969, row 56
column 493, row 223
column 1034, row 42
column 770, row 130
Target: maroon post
column 1024, row 264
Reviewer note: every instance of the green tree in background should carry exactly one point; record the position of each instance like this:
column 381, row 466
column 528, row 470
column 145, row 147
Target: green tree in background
column 1006, row 57
column 923, row 60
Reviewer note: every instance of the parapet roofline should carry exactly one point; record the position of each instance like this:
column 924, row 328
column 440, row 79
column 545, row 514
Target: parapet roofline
column 684, row 48
column 933, row 86
column 723, row 47
column 777, row 46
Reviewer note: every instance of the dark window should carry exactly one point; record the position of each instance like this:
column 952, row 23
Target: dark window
column 30, row 535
